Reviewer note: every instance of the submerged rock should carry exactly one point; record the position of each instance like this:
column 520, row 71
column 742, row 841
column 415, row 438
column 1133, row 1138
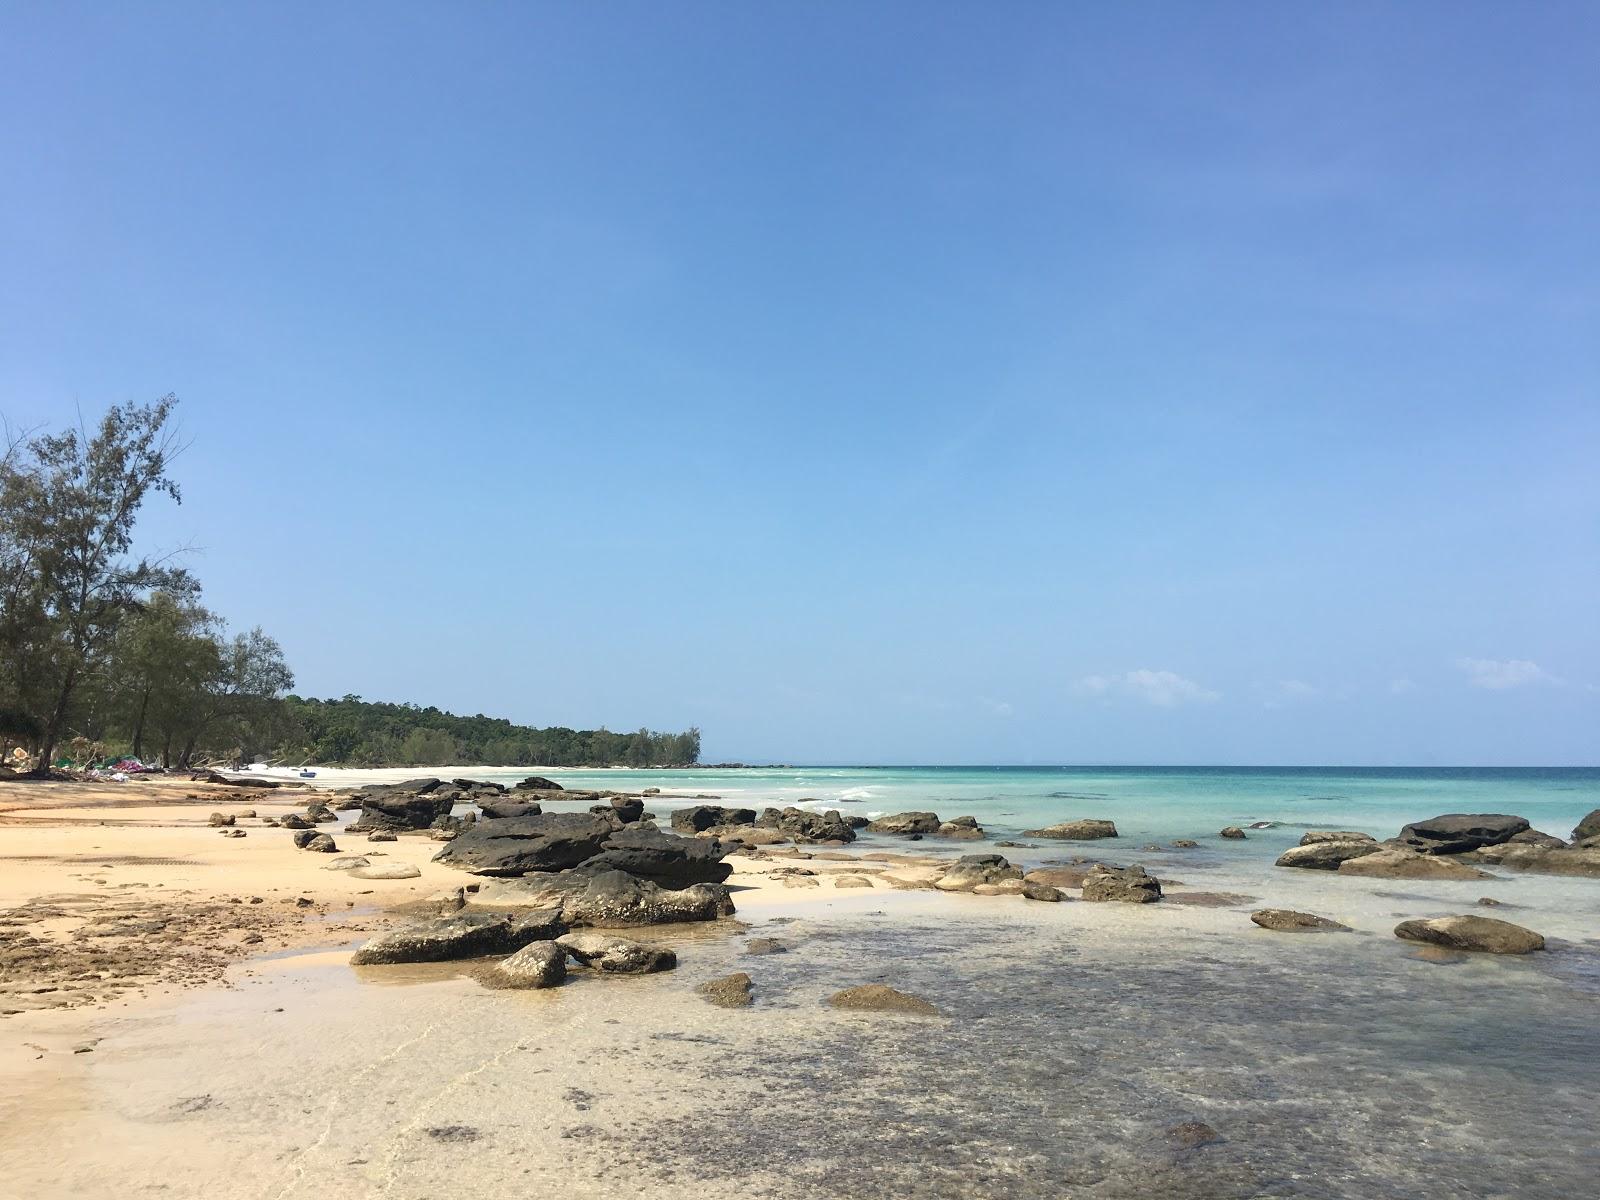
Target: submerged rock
column 1192, row 1135
column 961, row 828
column 1233, row 832
column 464, row 935
column 1087, row 829
column 765, row 945
column 727, row 991
column 1391, row 863
column 972, row 870
column 1485, row 935
column 617, row 956
column 879, row 997
column 1288, row 921
column 536, row 965
column 1129, row 884
column 1326, row 856
column 1456, row 833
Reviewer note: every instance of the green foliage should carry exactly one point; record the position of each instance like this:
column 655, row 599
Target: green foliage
column 358, row 732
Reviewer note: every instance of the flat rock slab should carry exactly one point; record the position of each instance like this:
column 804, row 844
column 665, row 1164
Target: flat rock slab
column 727, row 991
column 1287, row 920
column 1326, row 854
column 386, row 871
column 1484, row 935
column 465, row 935
column 617, row 956
column 1087, row 829
column 879, row 997
column 1389, row 863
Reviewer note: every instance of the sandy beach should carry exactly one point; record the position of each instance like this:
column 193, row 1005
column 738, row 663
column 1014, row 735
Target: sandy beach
column 181, row 1018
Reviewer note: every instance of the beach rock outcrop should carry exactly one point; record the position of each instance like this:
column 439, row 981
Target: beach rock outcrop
column 1484, row 935
column 617, row 956
column 1059, row 877
column 880, row 997
column 1317, row 836
column 1587, row 828
column 627, row 809
column 609, row 899
column 961, row 829
column 464, row 935
column 538, row 783
column 1286, row 920
column 906, row 822
column 971, row 870
column 1456, row 833
column 1389, row 862
column 399, row 810
column 697, row 818
column 1580, row 861
column 662, row 858
column 1326, row 856
column 1032, row 889
column 727, row 991
column 536, row 965
column 1131, row 885
column 518, row 845
column 1086, row 829
column 803, row 825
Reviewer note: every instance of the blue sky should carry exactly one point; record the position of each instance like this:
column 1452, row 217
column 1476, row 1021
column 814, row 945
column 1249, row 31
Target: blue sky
column 860, row 382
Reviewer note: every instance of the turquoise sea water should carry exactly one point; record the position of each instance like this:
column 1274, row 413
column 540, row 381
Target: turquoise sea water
column 1157, row 803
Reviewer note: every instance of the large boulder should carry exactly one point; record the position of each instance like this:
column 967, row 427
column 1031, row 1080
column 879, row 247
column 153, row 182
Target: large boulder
column 804, row 825
column 517, row 845
column 398, row 811
column 1389, row 862
column 1580, row 861
column 699, row 817
column 617, row 956
column 973, row 870
column 627, row 809
column 961, row 829
column 1286, row 920
column 609, row 899
column 536, row 965
column 1334, row 835
column 1326, row 856
column 906, row 822
column 1456, row 833
column 662, row 858
column 1129, row 884
column 1486, row 935
column 1083, row 830
column 538, row 783
column 502, row 810
column 1588, row 827
column 464, row 935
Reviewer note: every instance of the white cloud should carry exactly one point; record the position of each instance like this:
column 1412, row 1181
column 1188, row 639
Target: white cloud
column 1164, row 689
column 1498, row 674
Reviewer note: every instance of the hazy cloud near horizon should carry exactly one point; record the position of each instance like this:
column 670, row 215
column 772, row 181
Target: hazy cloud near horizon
column 1036, row 383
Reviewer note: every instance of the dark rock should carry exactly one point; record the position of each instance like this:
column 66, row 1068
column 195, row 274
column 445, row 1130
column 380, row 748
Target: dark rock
column 1532, row 837
column 1078, row 831
column 1489, row 902
column 628, row 809
column 1233, row 832
column 538, row 783
column 1326, row 856
column 302, row 837
column 727, row 991
column 1486, row 935
column 517, row 845
column 879, row 997
column 1185, row 844
column 906, row 822
column 662, row 858
column 1334, row 835
column 610, row 899
column 803, row 825
column 294, row 821
column 1288, row 921
column 219, row 820
column 401, row 812
column 464, row 935
column 504, row 810
column 1456, row 833
column 972, row 870
column 1129, row 884
column 1588, row 827
column 961, row 828
column 1034, row 890
column 700, row 817
column 617, row 956
column 479, row 785
column 320, row 843
column 536, row 965
column 1191, row 1135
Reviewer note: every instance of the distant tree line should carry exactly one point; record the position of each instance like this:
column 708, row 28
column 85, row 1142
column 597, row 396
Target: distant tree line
column 106, row 653
column 361, row 732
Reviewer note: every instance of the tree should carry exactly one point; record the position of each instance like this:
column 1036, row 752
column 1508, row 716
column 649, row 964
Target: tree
column 68, row 503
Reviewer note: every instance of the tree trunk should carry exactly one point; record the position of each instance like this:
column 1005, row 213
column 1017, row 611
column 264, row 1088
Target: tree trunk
column 138, row 728
column 52, row 728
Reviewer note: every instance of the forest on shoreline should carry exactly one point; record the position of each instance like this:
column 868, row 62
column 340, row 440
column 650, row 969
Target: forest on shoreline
column 106, row 654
